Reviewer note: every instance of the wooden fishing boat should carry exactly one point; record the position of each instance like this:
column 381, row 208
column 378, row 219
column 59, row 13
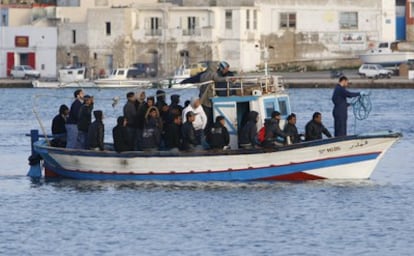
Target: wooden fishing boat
column 350, row 157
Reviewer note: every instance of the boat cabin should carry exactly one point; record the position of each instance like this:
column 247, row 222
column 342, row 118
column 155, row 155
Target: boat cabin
column 125, row 73
column 261, row 94
column 72, row 74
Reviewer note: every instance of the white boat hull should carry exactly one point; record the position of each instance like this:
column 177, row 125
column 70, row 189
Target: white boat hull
column 387, row 58
column 351, row 157
column 75, row 84
column 113, row 83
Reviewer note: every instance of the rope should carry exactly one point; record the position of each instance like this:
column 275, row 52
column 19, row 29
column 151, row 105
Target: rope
column 361, row 107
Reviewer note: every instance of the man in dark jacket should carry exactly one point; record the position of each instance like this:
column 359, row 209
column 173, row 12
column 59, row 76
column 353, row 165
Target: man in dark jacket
column 248, row 133
column 130, row 113
column 85, row 118
column 315, row 128
column 340, row 110
column 58, row 127
column 121, row 137
column 96, row 132
column 291, row 130
column 218, row 136
column 72, row 121
column 274, row 135
column 189, row 139
column 173, row 133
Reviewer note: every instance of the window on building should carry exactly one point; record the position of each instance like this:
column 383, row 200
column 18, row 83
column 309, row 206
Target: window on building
column 348, row 20
column 247, row 19
column 192, row 26
column 255, row 19
column 108, row 28
column 229, row 19
column 74, row 36
column 95, row 56
column 287, row 20
column 153, row 26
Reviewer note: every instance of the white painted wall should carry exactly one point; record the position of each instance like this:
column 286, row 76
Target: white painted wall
column 42, row 41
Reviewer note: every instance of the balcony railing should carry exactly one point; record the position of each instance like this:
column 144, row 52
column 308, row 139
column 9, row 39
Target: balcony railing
column 153, row 32
column 192, row 32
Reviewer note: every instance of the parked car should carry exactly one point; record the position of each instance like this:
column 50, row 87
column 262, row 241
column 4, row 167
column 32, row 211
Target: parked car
column 145, row 69
column 24, row 71
column 374, row 71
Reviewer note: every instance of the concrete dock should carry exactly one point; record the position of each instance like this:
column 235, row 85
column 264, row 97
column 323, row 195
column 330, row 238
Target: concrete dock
column 317, row 79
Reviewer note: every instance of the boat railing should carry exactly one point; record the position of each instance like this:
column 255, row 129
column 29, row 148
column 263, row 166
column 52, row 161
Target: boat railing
column 250, row 85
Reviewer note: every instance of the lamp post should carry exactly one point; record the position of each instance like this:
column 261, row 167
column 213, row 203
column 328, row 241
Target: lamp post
column 265, row 51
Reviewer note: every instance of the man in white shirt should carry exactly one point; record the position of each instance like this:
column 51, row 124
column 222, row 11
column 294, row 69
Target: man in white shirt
column 200, row 121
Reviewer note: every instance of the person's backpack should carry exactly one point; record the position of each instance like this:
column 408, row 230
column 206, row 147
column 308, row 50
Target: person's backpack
column 261, row 134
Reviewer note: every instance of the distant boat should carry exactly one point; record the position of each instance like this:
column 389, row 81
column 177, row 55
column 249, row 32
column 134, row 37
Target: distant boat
column 123, row 77
column 389, row 54
column 180, row 74
column 67, row 77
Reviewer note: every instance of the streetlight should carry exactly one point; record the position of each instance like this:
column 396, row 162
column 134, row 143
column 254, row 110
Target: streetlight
column 265, row 50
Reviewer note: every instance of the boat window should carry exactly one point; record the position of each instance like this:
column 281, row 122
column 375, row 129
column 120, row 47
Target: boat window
column 269, row 107
column 80, row 72
column 383, row 45
column 70, row 72
column 121, row 72
column 283, row 108
column 132, row 73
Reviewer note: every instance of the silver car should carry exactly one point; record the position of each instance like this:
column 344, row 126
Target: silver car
column 24, row 71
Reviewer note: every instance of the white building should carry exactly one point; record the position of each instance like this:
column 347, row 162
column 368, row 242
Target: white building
column 104, row 34
column 28, row 46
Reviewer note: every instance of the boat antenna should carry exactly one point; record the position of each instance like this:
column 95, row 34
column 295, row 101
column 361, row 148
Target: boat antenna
column 361, row 107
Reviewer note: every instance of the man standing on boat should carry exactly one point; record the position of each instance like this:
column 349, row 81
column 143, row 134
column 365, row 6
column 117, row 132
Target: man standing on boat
column 130, row 113
column 200, row 121
column 72, row 121
column 340, row 110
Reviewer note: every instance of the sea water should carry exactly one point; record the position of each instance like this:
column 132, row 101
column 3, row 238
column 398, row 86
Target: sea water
column 66, row 217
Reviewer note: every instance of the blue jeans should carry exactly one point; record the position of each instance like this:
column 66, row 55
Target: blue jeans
column 83, row 140
column 72, row 136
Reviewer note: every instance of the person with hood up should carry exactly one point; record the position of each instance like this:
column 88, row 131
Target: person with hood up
column 121, row 137
column 249, row 130
column 96, row 132
column 151, row 135
column 218, row 137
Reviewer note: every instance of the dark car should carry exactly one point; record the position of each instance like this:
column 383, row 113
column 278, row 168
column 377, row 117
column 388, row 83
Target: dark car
column 145, row 69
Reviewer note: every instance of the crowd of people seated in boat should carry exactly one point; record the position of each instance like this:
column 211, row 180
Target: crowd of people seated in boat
column 150, row 124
